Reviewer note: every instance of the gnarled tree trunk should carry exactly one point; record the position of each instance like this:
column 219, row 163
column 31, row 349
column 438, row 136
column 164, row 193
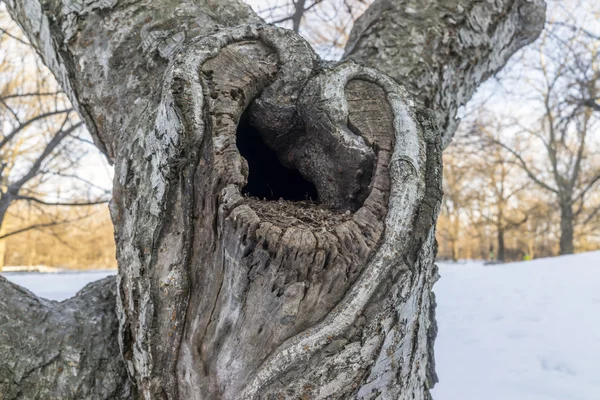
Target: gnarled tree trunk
column 274, row 214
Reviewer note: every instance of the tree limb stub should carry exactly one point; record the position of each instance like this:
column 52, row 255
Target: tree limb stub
column 65, row 350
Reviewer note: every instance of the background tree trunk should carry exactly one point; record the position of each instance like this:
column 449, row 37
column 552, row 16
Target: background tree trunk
column 566, row 228
column 225, row 295
column 501, row 250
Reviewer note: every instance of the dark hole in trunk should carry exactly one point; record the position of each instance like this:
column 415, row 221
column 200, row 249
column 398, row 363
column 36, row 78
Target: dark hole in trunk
column 268, row 178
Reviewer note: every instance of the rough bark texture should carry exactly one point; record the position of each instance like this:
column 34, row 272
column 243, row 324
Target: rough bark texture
column 442, row 50
column 65, row 350
column 224, row 295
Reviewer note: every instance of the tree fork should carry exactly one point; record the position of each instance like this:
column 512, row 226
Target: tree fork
column 225, row 295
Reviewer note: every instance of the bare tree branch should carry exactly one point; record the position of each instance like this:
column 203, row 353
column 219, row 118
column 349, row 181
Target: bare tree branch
column 67, row 204
column 30, row 94
column 43, row 225
column 6, row 139
column 50, row 147
column 524, row 166
column 10, row 35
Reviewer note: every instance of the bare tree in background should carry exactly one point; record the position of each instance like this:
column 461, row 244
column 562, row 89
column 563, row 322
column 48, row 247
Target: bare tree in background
column 503, row 183
column 491, row 210
column 584, row 43
column 86, row 242
column 566, row 72
column 41, row 138
column 226, row 296
column 459, row 192
column 326, row 24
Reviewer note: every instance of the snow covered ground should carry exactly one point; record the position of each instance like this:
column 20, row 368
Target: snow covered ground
column 520, row 331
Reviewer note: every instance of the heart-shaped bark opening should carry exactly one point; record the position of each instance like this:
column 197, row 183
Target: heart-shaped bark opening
column 290, row 205
column 285, row 205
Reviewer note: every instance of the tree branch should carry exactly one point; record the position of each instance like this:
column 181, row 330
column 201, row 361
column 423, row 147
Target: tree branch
column 25, row 124
column 591, row 103
column 523, row 165
column 10, row 35
column 43, row 225
column 31, row 94
column 68, row 204
column 16, row 186
column 461, row 43
column 76, row 177
column 574, row 28
column 587, row 188
column 591, row 216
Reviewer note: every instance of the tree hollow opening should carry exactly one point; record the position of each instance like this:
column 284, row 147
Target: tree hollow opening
column 268, row 178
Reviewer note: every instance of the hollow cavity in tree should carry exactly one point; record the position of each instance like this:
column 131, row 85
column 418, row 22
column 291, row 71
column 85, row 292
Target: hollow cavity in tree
column 268, row 178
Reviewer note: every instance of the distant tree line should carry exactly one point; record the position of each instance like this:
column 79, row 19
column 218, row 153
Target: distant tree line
column 86, row 242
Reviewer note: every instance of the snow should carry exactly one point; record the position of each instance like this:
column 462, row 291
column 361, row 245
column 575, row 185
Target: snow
column 519, row 331
column 56, row 286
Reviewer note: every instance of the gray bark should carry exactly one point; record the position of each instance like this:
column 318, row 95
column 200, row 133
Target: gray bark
column 221, row 295
column 62, row 350
column 442, row 50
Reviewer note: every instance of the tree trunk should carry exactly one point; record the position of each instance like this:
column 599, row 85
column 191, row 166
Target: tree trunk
column 233, row 283
column 500, row 256
column 455, row 237
column 3, row 210
column 454, row 249
column 566, row 228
